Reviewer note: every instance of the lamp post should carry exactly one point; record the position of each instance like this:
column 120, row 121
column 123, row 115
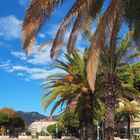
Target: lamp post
column 98, row 132
column 56, row 130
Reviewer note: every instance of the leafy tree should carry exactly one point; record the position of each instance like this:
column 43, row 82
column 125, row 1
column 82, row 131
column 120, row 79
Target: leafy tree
column 70, row 122
column 136, row 73
column 9, row 111
column 4, row 118
column 5, row 121
column 52, row 129
column 16, row 124
column 131, row 75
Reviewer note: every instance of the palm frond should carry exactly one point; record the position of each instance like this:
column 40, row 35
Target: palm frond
column 132, row 10
column 94, row 50
column 73, row 36
column 128, row 91
column 79, row 11
column 64, row 25
column 57, row 104
column 38, row 12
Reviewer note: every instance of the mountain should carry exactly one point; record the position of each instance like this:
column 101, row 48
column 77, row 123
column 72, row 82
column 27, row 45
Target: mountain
column 30, row 117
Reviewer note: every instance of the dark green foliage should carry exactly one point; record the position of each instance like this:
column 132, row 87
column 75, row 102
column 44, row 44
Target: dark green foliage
column 131, row 75
column 28, row 133
column 127, row 75
column 70, row 120
column 5, row 119
column 12, row 121
column 18, row 122
column 52, row 128
column 136, row 71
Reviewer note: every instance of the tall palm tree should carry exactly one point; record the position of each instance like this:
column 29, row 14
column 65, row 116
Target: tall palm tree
column 117, row 11
column 128, row 112
column 72, row 92
column 110, row 69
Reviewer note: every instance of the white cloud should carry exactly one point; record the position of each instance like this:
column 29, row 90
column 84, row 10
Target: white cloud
column 22, row 2
column 28, row 73
column 41, row 58
column 33, row 73
column 6, row 65
column 37, row 58
column 41, row 35
column 20, row 55
column 20, row 74
column 10, row 27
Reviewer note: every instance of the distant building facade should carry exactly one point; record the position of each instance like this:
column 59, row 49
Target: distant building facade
column 40, row 126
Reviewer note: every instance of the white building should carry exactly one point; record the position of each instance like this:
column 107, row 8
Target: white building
column 41, row 125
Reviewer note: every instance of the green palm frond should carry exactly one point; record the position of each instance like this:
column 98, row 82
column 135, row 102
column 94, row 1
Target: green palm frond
column 128, row 91
column 65, row 87
column 124, row 45
column 57, row 104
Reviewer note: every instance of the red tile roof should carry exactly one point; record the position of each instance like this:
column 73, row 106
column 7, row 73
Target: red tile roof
column 46, row 121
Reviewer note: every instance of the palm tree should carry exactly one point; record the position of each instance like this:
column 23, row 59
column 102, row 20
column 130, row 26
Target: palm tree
column 40, row 10
column 72, row 92
column 110, row 75
column 128, row 112
column 117, row 11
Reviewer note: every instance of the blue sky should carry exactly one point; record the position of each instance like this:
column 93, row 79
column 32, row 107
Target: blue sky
column 21, row 77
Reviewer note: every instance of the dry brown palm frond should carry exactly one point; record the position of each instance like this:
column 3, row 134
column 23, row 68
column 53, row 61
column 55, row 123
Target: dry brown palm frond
column 81, row 7
column 49, row 43
column 38, row 12
column 29, row 50
column 79, row 24
column 94, row 50
column 73, row 36
column 44, row 45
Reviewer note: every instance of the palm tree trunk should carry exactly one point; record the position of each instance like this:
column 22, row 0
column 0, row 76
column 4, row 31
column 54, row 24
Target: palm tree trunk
column 111, row 87
column 87, row 129
column 90, row 129
column 83, row 125
column 128, row 128
column 109, row 118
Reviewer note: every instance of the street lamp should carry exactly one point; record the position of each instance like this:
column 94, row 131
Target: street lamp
column 98, row 132
column 56, row 130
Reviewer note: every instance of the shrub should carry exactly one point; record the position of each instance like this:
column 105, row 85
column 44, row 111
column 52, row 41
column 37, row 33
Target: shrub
column 28, row 133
